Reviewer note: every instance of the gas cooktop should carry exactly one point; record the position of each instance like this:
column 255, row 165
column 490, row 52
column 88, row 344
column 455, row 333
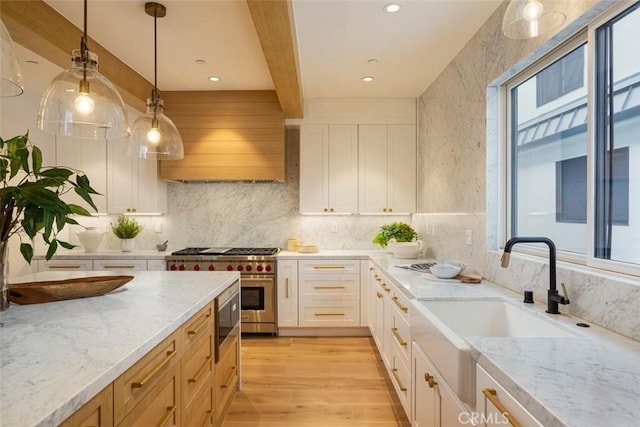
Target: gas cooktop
column 219, row 251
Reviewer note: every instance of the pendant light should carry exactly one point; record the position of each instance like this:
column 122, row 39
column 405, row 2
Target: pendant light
column 153, row 132
column 525, row 19
column 82, row 103
column 11, row 77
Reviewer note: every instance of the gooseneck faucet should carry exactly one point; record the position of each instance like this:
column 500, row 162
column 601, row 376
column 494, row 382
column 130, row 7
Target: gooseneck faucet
column 553, row 297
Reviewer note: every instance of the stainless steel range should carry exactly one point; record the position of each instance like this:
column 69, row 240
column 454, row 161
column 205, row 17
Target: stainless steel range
column 257, row 267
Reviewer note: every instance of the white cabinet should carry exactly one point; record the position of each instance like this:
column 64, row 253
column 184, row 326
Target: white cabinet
column 156, row 265
column 387, row 169
column 113, row 264
column 133, row 185
column 287, row 293
column 493, row 403
column 91, row 158
column 434, row 403
column 120, row 264
column 329, row 169
column 65, row 265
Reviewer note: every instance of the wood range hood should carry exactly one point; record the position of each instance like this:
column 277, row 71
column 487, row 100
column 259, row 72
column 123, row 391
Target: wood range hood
column 236, row 136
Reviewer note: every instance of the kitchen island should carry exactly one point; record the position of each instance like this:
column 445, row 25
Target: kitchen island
column 55, row 357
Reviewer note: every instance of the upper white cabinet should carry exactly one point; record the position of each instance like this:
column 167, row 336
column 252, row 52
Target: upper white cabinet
column 91, row 158
column 387, row 169
column 133, row 184
column 329, row 169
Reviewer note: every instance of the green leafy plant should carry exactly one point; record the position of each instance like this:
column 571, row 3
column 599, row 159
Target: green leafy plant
column 30, row 196
column 126, row 227
column 399, row 231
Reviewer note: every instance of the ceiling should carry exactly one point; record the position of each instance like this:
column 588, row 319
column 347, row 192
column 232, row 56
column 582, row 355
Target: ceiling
column 336, row 39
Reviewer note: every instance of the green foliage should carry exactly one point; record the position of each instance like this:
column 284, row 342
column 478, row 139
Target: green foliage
column 400, row 231
column 30, row 196
column 126, row 227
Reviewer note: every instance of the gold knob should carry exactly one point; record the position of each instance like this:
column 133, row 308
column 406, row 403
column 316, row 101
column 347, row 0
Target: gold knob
column 331, row 210
column 390, row 210
column 326, row 210
column 384, row 209
column 431, row 380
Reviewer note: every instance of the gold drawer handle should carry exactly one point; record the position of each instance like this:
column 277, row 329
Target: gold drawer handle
column 230, row 379
column 492, row 395
column 154, row 371
column 196, row 330
column 394, row 371
column 371, row 268
column 328, row 287
column 62, row 266
column 400, row 306
column 170, row 411
column 123, row 266
column 398, row 337
column 385, row 287
column 329, row 314
column 378, row 294
column 286, row 288
column 329, row 267
column 201, row 371
column 431, row 380
column 207, row 420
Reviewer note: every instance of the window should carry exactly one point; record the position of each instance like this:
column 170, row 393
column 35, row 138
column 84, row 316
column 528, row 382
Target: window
column 560, row 78
column 574, row 151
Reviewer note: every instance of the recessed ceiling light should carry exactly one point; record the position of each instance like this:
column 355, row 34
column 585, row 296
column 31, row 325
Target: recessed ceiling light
column 214, row 78
column 392, row 7
column 367, row 79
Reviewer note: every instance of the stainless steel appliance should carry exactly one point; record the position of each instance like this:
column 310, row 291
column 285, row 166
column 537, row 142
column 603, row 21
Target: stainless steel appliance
column 227, row 318
column 257, row 267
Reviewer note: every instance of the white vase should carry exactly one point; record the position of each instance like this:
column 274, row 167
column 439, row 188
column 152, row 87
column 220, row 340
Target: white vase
column 90, row 238
column 126, row 245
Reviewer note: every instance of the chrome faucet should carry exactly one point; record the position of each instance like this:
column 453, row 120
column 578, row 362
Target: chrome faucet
column 553, row 297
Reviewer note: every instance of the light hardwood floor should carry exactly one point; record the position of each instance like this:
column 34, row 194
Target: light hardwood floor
column 313, row 382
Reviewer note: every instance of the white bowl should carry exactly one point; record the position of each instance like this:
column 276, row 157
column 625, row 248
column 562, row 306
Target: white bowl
column 445, row 271
column 460, row 264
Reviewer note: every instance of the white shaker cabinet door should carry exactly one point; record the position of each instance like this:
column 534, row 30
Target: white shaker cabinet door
column 287, row 293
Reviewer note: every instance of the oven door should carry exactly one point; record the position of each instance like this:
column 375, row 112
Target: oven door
column 258, row 302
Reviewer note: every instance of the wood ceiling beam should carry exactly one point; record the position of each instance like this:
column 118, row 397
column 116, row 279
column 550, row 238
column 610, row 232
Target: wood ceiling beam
column 38, row 27
column 275, row 26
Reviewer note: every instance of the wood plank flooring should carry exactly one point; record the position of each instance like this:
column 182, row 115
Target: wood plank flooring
column 317, row 381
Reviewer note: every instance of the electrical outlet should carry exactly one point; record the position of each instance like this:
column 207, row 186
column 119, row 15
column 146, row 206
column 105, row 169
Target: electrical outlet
column 468, row 237
column 334, row 227
column 157, row 228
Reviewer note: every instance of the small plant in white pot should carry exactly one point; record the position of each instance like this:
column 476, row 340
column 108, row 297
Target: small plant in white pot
column 126, row 229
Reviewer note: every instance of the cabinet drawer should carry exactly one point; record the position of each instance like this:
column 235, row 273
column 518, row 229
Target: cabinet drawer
column 400, row 303
column 330, row 313
column 401, row 338
column 120, row 264
column 226, row 378
column 329, row 287
column 401, row 379
column 200, row 412
column 132, row 387
column 98, row 412
column 200, row 324
column 321, row 266
column 65, row 264
column 196, row 367
column 160, row 406
column 156, row 265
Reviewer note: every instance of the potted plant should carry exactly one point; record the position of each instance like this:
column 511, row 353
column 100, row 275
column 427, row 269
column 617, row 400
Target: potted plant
column 30, row 202
column 126, row 229
column 400, row 231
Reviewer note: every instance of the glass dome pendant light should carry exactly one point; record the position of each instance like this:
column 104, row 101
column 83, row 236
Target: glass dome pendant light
column 525, row 19
column 153, row 132
column 82, row 103
column 11, row 78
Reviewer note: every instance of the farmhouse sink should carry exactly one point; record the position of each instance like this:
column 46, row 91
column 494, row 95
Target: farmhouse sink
column 441, row 327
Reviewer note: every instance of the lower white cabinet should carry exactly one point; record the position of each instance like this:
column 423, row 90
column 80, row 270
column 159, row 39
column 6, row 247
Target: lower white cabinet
column 496, row 407
column 114, row 264
column 65, row 265
column 287, row 293
column 434, row 403
column 120, row 264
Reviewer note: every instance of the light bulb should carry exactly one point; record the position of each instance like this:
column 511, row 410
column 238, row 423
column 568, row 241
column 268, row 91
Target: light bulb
column 153, row 136
column 533, row 10
column 84, row 104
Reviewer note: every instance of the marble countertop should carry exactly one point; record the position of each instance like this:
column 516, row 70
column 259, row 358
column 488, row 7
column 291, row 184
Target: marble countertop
column 55, row 357
column 592, row 379
column 106, row 254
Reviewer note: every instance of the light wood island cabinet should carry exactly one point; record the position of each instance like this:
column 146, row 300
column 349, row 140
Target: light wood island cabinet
column 98, row 412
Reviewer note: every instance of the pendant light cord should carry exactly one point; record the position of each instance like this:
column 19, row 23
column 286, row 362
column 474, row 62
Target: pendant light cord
column 154, row 94
column 84, row 50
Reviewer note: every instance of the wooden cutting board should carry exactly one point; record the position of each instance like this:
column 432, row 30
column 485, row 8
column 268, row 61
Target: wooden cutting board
column 59, row 290
column 460, row 278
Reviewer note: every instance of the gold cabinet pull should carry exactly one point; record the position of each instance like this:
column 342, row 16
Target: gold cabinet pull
column 394, row 371
column 120, row 266
column 154, row 371
column 378, row 294
column 430, row 379
column 230, row 379
column 400, row 306
column 200, row 371
column 329, row 267
column 329, row 314
column 329, row 287
column 371, row 268
column 170, row 411
column 286, row 288
column 200, row 326
column 385, row 287
column 207, row 420
column 398, row 337
column 492, row 395
column 62, row 266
